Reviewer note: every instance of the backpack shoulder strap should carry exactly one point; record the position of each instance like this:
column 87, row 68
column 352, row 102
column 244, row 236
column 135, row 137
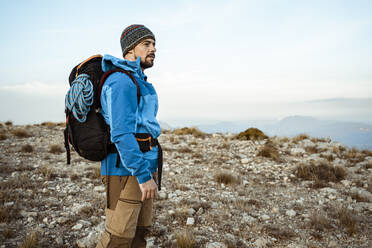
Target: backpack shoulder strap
column 108, row 73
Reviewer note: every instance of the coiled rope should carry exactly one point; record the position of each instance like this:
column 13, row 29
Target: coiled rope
column 79, row 97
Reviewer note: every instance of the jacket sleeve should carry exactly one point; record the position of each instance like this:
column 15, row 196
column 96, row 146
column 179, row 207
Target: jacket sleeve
column 121, row 104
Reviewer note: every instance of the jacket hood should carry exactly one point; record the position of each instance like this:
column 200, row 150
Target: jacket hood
column 110, row 62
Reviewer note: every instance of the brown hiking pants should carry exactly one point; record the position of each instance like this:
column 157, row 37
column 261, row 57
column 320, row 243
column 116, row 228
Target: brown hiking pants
column 128, row 219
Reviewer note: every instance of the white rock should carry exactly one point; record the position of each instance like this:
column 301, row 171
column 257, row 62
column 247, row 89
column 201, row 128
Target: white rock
column 260, row 243
column 45, row 220
column 297, row 151
column 346, row 183
column 62, row 220
column 215, row 245
column 190, row 221
column 200, row 211
column 77, row 227
column 100, row 188
column 8, row 204
column 59, row 241
column 191, row 211
column 162, row 195
column 290, row 213
column 264, row 217
column 244, row 161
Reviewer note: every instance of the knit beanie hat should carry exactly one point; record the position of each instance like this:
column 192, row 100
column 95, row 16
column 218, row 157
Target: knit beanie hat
column 132, row 35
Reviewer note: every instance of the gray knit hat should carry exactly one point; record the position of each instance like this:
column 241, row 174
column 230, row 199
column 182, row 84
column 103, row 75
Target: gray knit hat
column 132, row 35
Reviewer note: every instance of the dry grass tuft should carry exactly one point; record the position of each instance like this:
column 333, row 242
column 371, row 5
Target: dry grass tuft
column 94, row 172
column 319, row 222
column 358, row 197
column 190, row 130
column 56, row 149
column 367, row 153
column 185, row 239
column 9, row 123
column 300, row 137
column 316, row 140
column 320, row 173
column 31, row 241
column 225, row 178
column 21, row 133
column 47, row 172
column 269, row 151
column 8, row 233
column 369, row 165
column 3, row 136
column 279, row 232
column 252, row 134
column 49, row 124
column 4, row 214
column 347, row 220
column 27, row 148
column 184, row 150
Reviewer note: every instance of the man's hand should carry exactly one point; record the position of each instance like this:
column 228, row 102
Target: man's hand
column 149, row 189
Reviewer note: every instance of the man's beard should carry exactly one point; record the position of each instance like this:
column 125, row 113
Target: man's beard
column 145, row 64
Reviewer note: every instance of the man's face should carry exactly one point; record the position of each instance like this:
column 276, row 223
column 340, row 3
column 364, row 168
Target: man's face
column 146, row 50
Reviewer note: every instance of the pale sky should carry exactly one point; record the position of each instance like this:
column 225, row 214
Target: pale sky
column 216, row 60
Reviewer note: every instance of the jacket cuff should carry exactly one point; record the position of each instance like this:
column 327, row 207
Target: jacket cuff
column 144, row 177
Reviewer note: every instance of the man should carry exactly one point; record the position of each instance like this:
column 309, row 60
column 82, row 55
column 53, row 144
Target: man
column 130, row 172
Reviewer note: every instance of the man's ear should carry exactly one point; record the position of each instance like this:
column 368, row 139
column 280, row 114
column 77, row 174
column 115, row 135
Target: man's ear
column 130, row 54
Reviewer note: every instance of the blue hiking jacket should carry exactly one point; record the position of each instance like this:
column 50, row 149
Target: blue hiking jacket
column 125, row 117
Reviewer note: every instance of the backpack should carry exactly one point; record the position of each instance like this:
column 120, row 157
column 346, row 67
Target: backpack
column 86, row 129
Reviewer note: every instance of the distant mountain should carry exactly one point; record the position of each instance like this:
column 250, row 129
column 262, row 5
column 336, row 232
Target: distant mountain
column 352, row 134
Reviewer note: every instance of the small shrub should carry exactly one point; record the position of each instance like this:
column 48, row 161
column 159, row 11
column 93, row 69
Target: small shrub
column 185, row 240
column 47, row 172
column 347, row 220
column 279, row 232
column 49, row 124
column 367, row 153
column 31, row 241
column 185, row 150
column 27, row 148
column 56, row 149
column 193, row 131
column 225, row 178
column 252, row 134
column 8, row 233
column 359, row 198
column 3, row 136
column 269, row 151
column 21, row 133
column 320, row 173
column 9, row 123
column 319, row 222
column 315, row 140
column 4, row 214
column 312, row 149
column 300, row 137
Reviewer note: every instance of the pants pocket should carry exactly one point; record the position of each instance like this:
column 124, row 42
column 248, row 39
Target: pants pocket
column 123, row 220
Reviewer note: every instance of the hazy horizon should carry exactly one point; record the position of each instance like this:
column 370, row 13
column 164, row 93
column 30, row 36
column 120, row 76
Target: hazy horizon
column 216, row 60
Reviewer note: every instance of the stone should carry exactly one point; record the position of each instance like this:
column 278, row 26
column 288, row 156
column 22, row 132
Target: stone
column 290, row 213
column 62, row 220
column 264, row 217
column 244, row 161
column 77, row 227
column 190, row 221
column 200, row 211
column 191, row 211
column 59, row 241
column 260, row 243
column 215, row 245
column 248, row 219
column 162, row 195
column 100, row 188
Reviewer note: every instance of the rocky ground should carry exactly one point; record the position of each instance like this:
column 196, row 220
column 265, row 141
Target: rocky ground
column 217, row 192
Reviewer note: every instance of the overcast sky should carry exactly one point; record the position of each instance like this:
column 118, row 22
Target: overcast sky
column 216, row 60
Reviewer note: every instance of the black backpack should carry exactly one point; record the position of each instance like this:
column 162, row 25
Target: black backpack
column 91, row 138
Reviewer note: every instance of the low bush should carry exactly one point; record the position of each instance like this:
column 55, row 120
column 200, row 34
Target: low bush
column 320, row 173
column 27, row 148
column 252, row 134
column 190, row 130
column 269, row 151
column 225, row 178
column 185, row 239
column 56, row 149
column 21, row 133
